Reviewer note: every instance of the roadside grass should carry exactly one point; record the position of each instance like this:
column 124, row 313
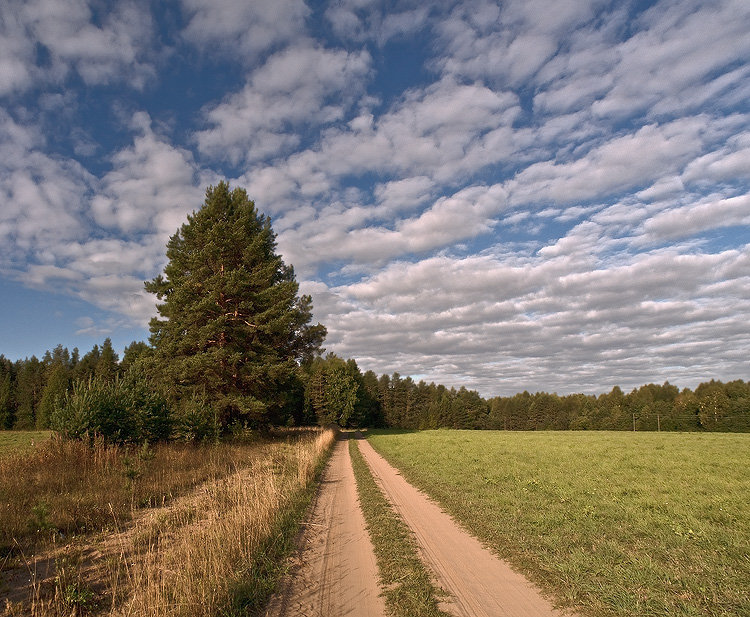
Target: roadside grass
column 407, row 585
column 626, row 524
column 14, row 441
column 174, row 530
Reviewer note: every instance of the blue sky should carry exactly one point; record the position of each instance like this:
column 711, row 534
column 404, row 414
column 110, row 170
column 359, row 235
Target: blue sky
column 532, row 194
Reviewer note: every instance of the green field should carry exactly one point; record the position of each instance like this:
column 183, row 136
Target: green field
column 626, row 524
column 12, row 441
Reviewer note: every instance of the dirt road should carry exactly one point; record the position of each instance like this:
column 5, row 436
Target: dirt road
column 480, row 584
column 336, row 573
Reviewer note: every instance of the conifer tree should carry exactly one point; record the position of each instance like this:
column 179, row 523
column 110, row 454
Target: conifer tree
column 107, row 365
column 7, row 394
column 233, row 329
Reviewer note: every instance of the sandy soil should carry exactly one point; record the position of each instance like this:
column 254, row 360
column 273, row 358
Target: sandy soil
column 335, row 573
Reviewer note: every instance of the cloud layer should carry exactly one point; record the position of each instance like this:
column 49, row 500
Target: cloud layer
column 539, row 195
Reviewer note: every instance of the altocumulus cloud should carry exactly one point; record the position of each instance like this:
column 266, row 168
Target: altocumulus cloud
column 542, row 195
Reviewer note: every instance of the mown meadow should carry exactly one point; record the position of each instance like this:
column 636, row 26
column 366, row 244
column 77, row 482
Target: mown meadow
column 164, row 530
column 626, row 524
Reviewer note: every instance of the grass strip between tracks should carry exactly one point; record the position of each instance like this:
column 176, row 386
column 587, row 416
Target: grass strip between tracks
column 407, row 584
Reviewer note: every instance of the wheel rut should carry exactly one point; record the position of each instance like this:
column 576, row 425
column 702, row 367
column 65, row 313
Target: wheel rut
column 334, row 573
column 479, row 583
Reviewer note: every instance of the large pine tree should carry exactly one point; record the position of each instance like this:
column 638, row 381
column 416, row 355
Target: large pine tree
column 233, row 330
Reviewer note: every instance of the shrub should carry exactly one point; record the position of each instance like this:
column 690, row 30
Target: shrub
column 121, row 411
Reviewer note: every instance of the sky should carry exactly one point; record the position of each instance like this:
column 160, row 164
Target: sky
column 541, row 195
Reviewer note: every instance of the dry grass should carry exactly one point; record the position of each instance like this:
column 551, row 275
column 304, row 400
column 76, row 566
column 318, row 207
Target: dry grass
column 212, row 550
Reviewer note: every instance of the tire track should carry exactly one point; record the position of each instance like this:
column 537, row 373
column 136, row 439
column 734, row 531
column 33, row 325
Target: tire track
column 480, row 584
column 335, row 573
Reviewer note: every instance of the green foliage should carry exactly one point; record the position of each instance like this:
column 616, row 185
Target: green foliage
column 121, row 411
column 29, row 387
column 233, row 329
column 107, row 365
column 57, row 385
column 331, row 392
column 93, row 408
column 7, row 394
column 196, row 420
column 152, row 414
column 136, row 352
column 39, row 519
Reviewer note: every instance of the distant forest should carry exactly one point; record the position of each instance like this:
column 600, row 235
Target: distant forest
column 335, row 390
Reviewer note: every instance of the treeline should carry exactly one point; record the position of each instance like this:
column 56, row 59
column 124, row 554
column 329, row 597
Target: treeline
column 713, row 406
column 337, row 391
column 38, row 393
column 30, row 388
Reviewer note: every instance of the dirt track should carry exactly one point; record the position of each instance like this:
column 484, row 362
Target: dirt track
column 336, row 573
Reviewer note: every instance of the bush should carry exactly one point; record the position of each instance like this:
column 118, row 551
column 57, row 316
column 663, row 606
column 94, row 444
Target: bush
column 196, row 420
column 149, row 406
column 121, row 411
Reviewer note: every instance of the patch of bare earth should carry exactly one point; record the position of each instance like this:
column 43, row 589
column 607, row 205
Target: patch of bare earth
column 334, row 572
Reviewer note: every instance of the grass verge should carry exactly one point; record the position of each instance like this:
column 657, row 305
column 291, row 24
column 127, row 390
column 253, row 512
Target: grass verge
column 408, row 588
column 615, row 524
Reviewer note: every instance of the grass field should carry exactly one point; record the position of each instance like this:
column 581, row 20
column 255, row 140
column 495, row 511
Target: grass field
column 173, row 530
column 626, row 524
column 13, row 441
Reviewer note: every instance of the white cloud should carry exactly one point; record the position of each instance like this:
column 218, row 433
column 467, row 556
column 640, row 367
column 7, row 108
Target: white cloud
column 545, row 212
column 508, row 44
column 547, row 324
column 362, row 20
column 41, row 194
column 726, row 164
column 697, row 218
column 296, row 88
column 152, row 186
column 623, row 163
column 243, row 28
column 118, row 48
column 405, row 194
column 441, row 132
column 681, row 46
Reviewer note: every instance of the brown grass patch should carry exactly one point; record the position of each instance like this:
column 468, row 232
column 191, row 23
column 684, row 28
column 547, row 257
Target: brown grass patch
column 216, row 522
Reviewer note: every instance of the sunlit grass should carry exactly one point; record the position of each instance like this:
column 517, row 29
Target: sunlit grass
column 14, row 441
column 614, row 523
column 173, row 530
